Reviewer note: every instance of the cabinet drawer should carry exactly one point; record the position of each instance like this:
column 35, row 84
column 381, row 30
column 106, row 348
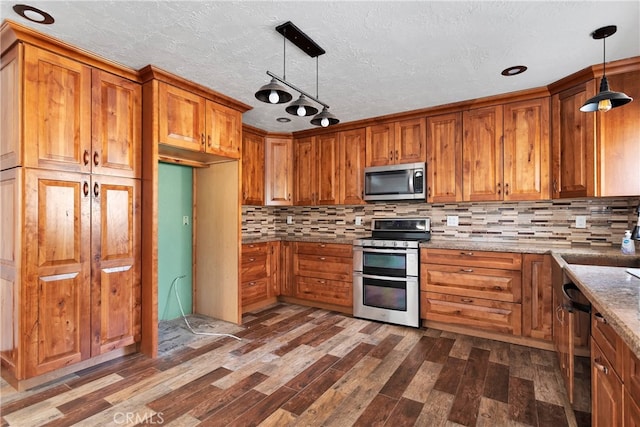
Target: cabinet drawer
column 254, row 291
column 501, row 260
column 253, row 249
column 323, row 267
column 608, row 340
column 489, row 283
column 606, row 390
column 495, row 316
column 254, row 267
column 324, row 249
column 322, row 290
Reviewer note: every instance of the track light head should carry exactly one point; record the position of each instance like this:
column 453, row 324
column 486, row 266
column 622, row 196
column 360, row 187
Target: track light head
column 301, row 107
column 273, row 93
column 325, row 119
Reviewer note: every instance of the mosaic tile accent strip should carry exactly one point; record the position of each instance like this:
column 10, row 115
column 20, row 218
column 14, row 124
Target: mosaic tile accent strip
column 513, row 222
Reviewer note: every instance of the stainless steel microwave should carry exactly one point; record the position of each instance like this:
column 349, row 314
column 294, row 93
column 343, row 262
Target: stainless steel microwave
column 395, row 182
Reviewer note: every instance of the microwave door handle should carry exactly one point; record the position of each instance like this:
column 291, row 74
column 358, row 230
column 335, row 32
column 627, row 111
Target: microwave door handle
column 411, row 191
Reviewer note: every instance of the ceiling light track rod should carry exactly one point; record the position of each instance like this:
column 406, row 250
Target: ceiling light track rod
column 292, row 86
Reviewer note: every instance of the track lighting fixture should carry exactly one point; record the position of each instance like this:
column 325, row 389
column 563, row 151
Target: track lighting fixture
column 274, row 93
column 606, row 99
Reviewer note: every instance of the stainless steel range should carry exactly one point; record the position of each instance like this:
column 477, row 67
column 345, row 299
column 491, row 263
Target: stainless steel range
column 387, row 271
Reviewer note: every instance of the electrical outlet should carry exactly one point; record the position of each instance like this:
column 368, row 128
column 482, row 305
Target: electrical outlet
column 289, row 219
column 358, row 220
column 452, row 220
column 185, row 220
column 581, row 221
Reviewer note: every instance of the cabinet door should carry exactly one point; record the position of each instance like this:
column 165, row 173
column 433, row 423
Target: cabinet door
column 631, row 380
column 563, row 341
column 252, row 169
column 224, row 126
column 351, row 166
column 482, row 154
column 526, row 150
column 327, row 169
column 606, row 391
column 181, row 118
column 573, row 143
column 444, row 158
column 115, row 272
column 56, row 296
column 275, row 269
column 380, row 145
column 285, row 278
column 619, row 141
column 410, row 141
column 278, row 179
column 305, row 171
column 536, row 296
column 10, row 107
column 116, row 126
column 57, row 112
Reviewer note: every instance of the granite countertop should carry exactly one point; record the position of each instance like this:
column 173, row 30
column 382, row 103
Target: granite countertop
column 616, row 294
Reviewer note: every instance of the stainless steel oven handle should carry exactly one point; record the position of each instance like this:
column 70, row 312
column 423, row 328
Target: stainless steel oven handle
column 388, row 251
column 390, row 279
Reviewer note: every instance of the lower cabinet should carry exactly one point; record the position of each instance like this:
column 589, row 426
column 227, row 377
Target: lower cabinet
column 472, row 288
column 323, row 273
column 259, row 274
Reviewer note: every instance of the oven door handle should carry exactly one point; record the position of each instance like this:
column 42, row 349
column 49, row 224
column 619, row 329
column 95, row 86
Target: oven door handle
column 388, row 278
column 387, row 251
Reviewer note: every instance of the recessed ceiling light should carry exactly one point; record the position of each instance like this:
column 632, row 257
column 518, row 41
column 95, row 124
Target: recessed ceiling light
column 515, row 70
column 33, row 14
column 283, row 119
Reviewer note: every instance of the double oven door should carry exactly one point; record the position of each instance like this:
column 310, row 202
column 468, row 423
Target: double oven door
column 385, row 285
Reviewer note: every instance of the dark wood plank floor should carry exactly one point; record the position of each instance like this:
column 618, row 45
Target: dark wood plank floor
column 306, row 367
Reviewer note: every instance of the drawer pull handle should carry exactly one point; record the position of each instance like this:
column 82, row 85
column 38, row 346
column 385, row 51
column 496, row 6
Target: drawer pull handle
column 96, row 158
column 322, row 258
column 600, row 367
column 251, row 259
column 497, row 288
column 468, row 300
column 322, row 245
column 322, row 282
column 466, row 253
column 466, row 270
column 600, row 318
column 252, row 283
column 85, row 157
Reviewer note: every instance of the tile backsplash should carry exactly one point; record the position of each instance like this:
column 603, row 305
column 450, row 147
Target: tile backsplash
column 544, row 221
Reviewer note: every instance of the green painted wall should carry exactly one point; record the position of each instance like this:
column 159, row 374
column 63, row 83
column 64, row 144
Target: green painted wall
column 175, row 245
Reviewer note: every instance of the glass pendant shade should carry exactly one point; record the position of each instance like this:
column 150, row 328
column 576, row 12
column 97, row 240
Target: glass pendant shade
column 324, row 119
column 273, row 93
column 301, row 107
column 606, row 99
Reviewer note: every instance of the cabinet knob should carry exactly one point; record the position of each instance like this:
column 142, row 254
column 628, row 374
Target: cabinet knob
column 96, row 158
column 390, row 155
column 209, row 140
column 499, row 187
column 396, row 154
column 506, row 189
column 429, row 191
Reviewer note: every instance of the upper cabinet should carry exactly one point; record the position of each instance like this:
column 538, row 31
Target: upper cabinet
column 482, row 154
column 278, row 169
column 573, row 142
column 506, row 152
column 351, row 160
column 76, row 118
column 397, row 142
column 595, row 154
column 252, row 168
column 444, row 158
column 194, row 123
column 316, row 170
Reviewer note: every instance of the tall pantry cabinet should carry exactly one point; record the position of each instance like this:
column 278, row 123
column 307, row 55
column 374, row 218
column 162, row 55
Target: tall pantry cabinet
column 70, row 202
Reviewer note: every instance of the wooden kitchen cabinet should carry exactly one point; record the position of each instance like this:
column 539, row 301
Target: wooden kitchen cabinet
column 316, row 170
column 631, row 380
column 537, row 296
column 526, row 147
column 323, row 273
column 76, row 118
column 606, row 391
column 395, row 143
column 478, row 289
column 351, row 161
column 278, row 169
column 444, row 158
column 573, row 142
column 253, row 161
column 482, row 147
column 191, row 122
column 255, row 274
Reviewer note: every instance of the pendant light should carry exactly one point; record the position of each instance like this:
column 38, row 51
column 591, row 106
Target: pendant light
column 274, row 93
column 606, row 99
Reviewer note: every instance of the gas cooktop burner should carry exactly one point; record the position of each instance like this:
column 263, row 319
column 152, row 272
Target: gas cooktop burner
column 397, row 233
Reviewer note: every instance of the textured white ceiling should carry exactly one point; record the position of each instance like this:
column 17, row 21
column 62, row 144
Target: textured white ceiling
column 382, row 57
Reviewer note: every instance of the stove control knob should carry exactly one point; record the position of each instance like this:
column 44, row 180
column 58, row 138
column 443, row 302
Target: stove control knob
column 389, row 243
column 405, row 243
